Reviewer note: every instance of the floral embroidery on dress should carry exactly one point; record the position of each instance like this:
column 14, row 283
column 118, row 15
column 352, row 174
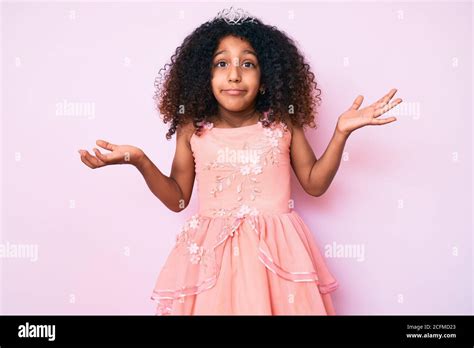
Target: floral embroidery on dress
column 163, row 307
column 266, row 151
column 237, row 215
column 197, row 253
column 246, row 210
column 208, row 125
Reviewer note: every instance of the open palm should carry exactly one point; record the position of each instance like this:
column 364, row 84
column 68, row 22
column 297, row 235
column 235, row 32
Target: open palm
column 120, row 154
column 354, row 118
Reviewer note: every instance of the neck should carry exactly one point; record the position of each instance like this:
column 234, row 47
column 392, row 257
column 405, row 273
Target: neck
column 237, row 118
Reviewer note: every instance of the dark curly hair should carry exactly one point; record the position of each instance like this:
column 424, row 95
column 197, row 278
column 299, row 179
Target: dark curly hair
column 184, row 91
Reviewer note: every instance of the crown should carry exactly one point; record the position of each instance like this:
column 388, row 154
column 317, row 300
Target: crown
column 235, row 17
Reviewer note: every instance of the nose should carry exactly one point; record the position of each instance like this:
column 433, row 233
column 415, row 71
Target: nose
column 234, row 72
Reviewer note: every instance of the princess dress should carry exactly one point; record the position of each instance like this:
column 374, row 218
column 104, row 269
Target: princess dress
column 245, row 251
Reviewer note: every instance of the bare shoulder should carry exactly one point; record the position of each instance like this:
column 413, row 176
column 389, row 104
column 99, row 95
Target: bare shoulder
column 295, row 130
column 184, row 133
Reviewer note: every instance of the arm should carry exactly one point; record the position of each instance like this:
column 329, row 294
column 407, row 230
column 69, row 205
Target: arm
column 174, row 191
column 315, row 176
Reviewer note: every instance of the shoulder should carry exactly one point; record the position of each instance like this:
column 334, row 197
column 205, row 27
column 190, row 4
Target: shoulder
column 297, row 136
column 294, row 129
column 184, row 132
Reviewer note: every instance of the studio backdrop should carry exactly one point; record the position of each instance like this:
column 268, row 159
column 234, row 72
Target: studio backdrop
column 395, row 226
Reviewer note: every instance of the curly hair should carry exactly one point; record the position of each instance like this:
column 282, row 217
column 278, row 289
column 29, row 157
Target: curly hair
column 184, row 93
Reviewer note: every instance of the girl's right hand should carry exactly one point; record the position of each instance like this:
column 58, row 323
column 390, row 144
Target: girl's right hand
column 121, row 154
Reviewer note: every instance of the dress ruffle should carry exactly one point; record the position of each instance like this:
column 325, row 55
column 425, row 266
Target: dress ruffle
column 281, row 242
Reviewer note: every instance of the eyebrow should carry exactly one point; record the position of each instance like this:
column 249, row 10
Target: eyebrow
column 244, row 51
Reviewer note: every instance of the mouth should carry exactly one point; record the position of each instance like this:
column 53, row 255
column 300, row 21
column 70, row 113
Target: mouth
column 233, row 91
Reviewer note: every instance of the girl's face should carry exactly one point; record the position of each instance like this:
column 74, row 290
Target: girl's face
column 235, row 74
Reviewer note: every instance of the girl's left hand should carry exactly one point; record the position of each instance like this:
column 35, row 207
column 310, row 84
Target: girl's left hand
column 354, row 118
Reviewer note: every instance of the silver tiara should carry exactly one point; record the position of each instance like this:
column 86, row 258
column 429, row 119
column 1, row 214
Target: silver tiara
column 235, row 17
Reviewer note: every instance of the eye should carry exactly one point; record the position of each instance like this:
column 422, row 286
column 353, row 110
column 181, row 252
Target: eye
column 219, row 66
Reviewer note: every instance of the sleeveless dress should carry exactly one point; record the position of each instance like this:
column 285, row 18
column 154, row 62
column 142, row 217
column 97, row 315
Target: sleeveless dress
column 245, row 251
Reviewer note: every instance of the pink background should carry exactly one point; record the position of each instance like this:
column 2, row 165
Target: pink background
column 403, row 191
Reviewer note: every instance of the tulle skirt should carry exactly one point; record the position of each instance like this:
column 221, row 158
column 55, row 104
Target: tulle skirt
column 266, row 264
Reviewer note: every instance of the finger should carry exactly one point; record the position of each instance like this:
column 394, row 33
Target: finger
column 357, row 103
column 381, row 121
column 386, row 108
column 386, row 98
column 86, row 162
column 93, row 160
column 106, row 145
column 100, row 155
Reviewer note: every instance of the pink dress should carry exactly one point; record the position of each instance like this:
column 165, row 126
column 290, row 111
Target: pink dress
column 245, row 251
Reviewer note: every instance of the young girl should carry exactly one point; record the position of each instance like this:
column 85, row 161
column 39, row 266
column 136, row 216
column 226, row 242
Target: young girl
column 238, row 94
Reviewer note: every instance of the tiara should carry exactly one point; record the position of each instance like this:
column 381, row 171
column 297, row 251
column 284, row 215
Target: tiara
column 235, row 17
